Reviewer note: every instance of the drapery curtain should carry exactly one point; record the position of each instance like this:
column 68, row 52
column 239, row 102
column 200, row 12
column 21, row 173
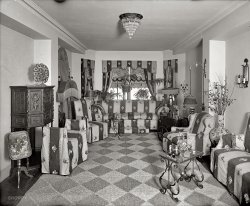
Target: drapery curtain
column 149, row 77
column 107, row 77
column 170, row 70
column 87, row 76
column 144, row 70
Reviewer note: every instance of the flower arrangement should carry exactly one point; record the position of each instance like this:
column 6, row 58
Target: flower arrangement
column 219, row 97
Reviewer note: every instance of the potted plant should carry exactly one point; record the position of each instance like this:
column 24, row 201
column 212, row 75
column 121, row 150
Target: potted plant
column 219, row 100
column 142, row 94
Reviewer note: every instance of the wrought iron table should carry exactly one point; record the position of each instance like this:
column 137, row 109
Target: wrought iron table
column 175, row 173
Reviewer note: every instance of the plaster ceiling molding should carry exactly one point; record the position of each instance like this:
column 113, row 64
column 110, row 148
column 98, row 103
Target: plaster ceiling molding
column 196, row 36
column 166, row 24
column 38, row 11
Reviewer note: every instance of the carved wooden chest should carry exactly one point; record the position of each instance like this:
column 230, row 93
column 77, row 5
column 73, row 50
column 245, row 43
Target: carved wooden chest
column 31, row 106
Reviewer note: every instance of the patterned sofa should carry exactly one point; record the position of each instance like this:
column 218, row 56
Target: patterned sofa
column 135, row 116
column 197, row 133
column 230, row 163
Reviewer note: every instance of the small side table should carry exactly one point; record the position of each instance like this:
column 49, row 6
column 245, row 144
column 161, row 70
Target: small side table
column 176, row 174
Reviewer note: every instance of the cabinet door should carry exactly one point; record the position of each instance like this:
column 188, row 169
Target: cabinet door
column 35, row 101
column 48, row 105
column 18, row 101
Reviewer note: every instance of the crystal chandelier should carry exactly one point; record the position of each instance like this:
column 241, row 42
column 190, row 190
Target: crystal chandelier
column 130, row 22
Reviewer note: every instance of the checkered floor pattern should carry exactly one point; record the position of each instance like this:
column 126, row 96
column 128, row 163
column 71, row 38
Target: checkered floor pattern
column 122, row 171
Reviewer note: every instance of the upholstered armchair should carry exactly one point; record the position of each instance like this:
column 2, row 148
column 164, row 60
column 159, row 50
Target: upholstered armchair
column 97, row 127
column 61, row 154
column 200, row 125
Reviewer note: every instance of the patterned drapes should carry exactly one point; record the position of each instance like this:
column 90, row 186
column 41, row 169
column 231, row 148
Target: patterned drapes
column 107, row 77
column 87, row 76
column 145, row 71
column 128, row 63
column 170, row 69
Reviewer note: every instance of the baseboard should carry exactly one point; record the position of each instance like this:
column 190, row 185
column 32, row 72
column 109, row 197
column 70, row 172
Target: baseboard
column 4, row 173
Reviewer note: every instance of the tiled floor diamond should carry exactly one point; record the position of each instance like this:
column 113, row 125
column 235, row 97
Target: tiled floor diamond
column 113, row 176
column 96, row 184
column 114, row 164
column 77, row 193
column 125, row 144
column 153, row 169
column 56, row 200
column 141, row 176
column 103, row 159
column 162, row 199
column 100, row 170
column 104, row 151
column 111, row 193
column 125, row 151
column 127, row 170
column 150, row 159
column 145, row 144
column 64, row 185
column 126, row 159
column 106, row 144
column 145, row 192
column 198, row 199
column 42, row 194
column 92, row 200
column 128, row 199
column 147, row 151
column 127, row 184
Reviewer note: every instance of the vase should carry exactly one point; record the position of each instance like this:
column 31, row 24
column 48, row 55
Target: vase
column 218, row 130
column 220, row 119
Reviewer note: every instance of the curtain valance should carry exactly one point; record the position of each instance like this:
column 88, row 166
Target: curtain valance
column 108, row 65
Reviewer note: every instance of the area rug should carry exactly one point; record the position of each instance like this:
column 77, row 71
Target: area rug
column 122, row 171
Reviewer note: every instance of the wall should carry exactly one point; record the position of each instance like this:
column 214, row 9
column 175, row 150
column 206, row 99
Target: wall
column 232, row 26
column 195, row 65
column 217, row 57
column 237, row 49
column 15, row 64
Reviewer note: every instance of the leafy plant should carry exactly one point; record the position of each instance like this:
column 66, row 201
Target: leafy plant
column 219, row 97
column 142, row 94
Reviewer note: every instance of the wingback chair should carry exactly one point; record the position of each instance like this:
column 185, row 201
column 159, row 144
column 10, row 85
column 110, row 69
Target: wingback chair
column 200, row 125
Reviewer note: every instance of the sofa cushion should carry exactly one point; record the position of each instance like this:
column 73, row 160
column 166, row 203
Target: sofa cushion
column 231, row 141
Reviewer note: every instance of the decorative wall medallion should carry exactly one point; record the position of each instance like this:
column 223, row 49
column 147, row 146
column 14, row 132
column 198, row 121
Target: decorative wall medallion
column 41, row 73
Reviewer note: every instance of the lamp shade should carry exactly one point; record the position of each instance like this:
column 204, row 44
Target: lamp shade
column 190, row 100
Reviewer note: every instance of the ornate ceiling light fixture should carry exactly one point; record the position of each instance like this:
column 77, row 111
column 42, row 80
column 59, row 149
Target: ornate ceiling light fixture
column 130, row 22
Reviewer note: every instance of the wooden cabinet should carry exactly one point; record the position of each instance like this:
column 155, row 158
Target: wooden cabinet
column 31, row 106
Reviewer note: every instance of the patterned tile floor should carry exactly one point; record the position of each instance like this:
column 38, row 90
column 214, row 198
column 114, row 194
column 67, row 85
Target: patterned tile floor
column 122, row 171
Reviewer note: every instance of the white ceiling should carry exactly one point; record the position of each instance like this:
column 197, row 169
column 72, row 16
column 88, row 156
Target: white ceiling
column 165, row 23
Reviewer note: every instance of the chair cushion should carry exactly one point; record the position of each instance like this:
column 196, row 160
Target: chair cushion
column 72, row 124
column 19, row 145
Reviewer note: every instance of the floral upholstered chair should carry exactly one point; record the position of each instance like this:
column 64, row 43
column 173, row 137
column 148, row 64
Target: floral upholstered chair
column 197, row 133
column 19, row 148
column 61, row 154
